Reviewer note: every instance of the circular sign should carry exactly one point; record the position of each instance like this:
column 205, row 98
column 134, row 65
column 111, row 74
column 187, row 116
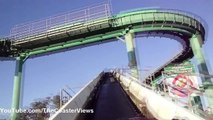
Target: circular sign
column 180, row 84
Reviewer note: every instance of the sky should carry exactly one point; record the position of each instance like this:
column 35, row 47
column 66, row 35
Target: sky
column 46, row 75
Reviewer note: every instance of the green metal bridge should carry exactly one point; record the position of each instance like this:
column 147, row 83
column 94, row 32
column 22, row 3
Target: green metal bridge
column 96, row 25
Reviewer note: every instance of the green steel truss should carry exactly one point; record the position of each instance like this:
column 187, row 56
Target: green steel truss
column 102, row 30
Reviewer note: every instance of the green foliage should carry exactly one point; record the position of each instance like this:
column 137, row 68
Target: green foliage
column 39, row 106
column 56, row 101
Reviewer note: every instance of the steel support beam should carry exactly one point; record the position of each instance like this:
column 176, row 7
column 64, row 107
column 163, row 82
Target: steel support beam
column 17, row 88
column 130, row 45
column 196, row 44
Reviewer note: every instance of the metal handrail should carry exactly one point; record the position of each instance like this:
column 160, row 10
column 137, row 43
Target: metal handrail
column 39, row 26
column 26, row 29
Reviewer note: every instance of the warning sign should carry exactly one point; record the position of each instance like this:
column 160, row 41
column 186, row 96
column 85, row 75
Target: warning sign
column 181, row 85
column 180, row 79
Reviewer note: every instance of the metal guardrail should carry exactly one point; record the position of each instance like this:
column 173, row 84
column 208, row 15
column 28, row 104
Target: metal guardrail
column 79, row 16
column 83, row 15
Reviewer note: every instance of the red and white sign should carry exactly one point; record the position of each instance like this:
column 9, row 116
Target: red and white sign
column 182, row 85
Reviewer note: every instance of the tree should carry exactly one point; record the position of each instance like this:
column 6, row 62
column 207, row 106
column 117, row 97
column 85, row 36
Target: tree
column 56, row 101
column 36, row 110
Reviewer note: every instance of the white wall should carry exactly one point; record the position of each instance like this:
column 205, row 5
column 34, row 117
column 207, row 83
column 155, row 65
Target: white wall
column 158, row 106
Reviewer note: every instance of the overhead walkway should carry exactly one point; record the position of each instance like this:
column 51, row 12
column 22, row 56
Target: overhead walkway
column 100, row 29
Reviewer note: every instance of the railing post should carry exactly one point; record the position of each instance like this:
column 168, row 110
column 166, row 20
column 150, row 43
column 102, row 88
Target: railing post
column 17, row 88
column 196, row 44
column 130, row 45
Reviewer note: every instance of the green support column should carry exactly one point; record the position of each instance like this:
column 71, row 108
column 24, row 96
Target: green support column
column 196, row 44
column 130, row 44
column 17, row 88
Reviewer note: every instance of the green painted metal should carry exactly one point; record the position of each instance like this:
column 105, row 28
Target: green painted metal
column 157, row 28
column 76, row 43
column 130, row 45
column 17, row 88
column 156, row 80
column 94, row 39
column 196, row 44
column 155, row 16
column 137, row 21
column 178, row 68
